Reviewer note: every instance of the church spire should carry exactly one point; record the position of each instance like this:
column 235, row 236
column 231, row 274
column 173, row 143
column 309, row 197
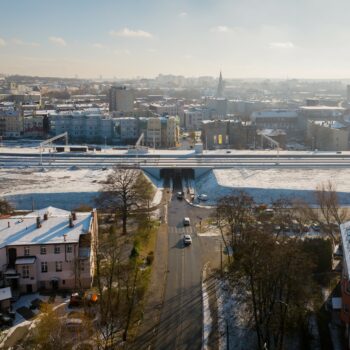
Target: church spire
column 220, row 90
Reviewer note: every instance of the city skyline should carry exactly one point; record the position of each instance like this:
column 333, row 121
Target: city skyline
column 244, row 39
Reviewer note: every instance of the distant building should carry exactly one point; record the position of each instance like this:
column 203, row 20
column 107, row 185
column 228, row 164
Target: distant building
column 33, row 126
column 48, row 249
column 11, row 121
column 83, row 126
column 327, row 135
column 121, row 99
column 276, row 119
column 161, row 131
column 321, row 112
column 194, row 116
column 164, row 108
column 227, row 134
column 126, row 130
column 220, row 90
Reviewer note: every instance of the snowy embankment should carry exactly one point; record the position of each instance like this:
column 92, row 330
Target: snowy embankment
column 64, row 188
column 266, row 185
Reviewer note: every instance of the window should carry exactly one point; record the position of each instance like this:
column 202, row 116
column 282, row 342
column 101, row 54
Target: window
column 57, row 249
column 26, row 251
column 25, row 271
column 44, row 266
column 69, row 248
column 82, row 267
column 42, row 250
column 58, row 266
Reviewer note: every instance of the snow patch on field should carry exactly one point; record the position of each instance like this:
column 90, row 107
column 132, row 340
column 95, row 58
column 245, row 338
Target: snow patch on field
column 269, row 184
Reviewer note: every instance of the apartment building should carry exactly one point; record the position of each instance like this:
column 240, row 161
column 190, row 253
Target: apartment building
column 48, row 249
column 121, row 99
column 194, row 116
column 227, row 133
column 11, row 121
column 83, row 126
column 327, row 135
column 126, row 130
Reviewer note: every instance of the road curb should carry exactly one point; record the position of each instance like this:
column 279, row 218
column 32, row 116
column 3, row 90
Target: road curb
column 203, row 278
column 200, row 206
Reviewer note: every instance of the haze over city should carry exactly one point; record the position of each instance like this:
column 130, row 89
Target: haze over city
column 174, row 175
column 126, row 39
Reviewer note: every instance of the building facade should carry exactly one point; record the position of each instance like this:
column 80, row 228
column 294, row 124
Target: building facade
column 327, row 135
column 48, row 249
column 121, row 99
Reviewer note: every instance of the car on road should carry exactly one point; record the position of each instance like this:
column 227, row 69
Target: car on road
column 203, row 197
column 179, row 195
column 186, row 221
column 316, row 227
column 187, row 240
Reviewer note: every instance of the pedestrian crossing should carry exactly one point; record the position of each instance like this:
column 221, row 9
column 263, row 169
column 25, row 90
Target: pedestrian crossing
column 185, row 230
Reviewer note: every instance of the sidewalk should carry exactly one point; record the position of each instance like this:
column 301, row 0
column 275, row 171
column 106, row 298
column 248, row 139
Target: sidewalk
column 154, row 297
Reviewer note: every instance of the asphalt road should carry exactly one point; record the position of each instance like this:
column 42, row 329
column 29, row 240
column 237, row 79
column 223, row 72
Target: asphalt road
column 180, row 325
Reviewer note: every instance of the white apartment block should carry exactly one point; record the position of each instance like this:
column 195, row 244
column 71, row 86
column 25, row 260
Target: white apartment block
column 48, row 249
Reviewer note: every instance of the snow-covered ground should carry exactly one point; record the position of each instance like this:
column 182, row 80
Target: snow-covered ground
column 68, row 188
column 235, row 333
column 268, row 184
column 64, row 188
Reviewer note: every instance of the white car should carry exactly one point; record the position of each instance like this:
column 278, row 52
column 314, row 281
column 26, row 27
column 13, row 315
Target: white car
column 203, row 197
column 187, row 240
column 186, row 221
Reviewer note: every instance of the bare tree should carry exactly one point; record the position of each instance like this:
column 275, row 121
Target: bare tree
column 272, row 277
column 121, row 193
column 235, row 211
column 5, row 207
column 108, row 283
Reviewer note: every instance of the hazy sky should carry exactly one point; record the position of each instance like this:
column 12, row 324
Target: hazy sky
column 129, row 38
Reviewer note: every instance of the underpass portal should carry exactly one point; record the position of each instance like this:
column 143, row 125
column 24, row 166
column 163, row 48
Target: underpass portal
column 179, row 177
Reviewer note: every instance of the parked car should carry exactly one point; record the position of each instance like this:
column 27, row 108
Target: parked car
column 316, row 227
column 187, row 240
column 203, row 197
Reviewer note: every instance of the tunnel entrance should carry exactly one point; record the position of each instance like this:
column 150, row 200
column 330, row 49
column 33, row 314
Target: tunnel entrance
column 179, row 177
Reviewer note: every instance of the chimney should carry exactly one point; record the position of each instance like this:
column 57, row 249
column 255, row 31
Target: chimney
column 74, row 215
column 46, row 216
column 38, row 224
column 64, row 237
column 71, row 224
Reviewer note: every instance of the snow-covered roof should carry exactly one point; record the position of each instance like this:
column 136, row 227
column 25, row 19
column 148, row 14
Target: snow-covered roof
column 23, row 230
column 5, row 293
column 275, row 113
column 321, row 108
